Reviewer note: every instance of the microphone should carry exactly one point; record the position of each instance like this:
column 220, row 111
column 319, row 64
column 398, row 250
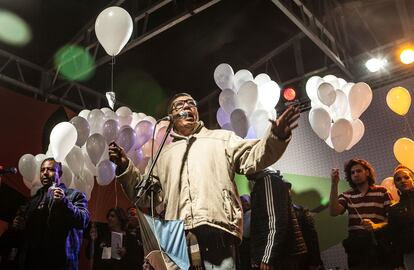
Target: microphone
column 171, row 117
column 10, row 170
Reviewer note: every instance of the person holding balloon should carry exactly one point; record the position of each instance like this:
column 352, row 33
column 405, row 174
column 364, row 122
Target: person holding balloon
column 196, row 175
column 367, row 245
column 52, row 223
column 401, row 215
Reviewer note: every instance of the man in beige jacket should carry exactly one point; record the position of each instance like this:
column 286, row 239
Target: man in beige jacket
column 196, row 176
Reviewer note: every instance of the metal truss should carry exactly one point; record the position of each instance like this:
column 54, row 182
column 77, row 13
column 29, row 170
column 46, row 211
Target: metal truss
column 28, row 76
column 141, row 32
column 50, row 85
column 303, row 18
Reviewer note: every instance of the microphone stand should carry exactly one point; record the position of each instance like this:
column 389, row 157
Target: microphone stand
column 147, row 183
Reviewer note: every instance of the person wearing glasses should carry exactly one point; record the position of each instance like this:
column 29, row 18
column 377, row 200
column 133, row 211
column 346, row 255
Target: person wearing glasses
column 367, row 245
column 196, row 175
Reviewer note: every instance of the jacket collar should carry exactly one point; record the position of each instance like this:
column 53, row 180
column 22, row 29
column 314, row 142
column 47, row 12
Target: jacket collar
column 177, row 136
column 260, row 174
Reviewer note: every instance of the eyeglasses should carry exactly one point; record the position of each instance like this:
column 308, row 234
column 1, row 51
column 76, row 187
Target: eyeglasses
column 178, row 105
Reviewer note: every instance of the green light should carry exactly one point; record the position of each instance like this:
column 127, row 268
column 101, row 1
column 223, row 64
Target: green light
column 13, row 29
column 74, row 63
column 325, row 201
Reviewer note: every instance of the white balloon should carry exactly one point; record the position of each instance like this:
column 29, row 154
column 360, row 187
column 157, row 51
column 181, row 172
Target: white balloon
column 95, row 146
column 269, row 95
column 358, row 130
column 75, row 160
column 239, row 122
column 360, row 96
column 113, row 28
column 326, row 93
column 106, row 172
column 96, row 120
column 329, row 142
column 67, row 176
column 341, row 83
column 222, row 117
column 106, row 109
column 241, row 77
column 124, row 115
column 150, row 119
column 228, row 100
column 332, row 79
column 28, row 167
column 247, row 97
column 88, row 163
column 110, row 130
column 136, row 117
column 312, row 87
column 39, row 158
column 262, row 78
column 62, row 139
column 110, row 115
column 126, row 138
column 260, row 122
column 347, row 88
column 320, row 121
column 341, row 134
column 224, row 76
column 84, row 113
column 340, row 107
column 82, row 128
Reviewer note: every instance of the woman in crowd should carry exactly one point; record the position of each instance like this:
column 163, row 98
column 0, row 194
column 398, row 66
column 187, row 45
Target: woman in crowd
column 108, row 257
column 401, row 215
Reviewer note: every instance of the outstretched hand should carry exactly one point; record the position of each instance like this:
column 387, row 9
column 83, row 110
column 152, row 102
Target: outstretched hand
column 118, row 156
column 284, row 124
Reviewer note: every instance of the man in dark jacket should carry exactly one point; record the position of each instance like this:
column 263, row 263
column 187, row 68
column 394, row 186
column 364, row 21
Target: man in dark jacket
column 52, row 223
column 275, row 236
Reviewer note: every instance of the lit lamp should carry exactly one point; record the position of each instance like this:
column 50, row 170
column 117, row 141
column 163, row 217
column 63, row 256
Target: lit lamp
column 407, row 56
column 289, row 94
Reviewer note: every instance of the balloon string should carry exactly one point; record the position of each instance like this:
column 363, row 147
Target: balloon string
column 408, row 126
column 116, row 195
column 112, row 73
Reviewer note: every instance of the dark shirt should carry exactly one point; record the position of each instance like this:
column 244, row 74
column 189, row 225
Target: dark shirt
column 401, row 222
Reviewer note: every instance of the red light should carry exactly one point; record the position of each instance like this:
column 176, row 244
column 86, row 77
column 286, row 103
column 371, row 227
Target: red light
column 289, row 94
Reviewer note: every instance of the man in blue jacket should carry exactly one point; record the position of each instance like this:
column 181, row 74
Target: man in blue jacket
column 52, row 223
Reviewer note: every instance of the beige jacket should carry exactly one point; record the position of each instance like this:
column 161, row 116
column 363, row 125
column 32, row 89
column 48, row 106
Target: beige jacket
column 196, row 174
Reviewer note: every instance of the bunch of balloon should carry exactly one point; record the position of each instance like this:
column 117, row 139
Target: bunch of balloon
column 246, row 103
column 82, row 146
column 336, row 108
column 399, row 101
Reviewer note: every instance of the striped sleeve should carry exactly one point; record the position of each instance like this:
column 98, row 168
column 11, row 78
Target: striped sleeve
column 276, row 197
column 342, row 201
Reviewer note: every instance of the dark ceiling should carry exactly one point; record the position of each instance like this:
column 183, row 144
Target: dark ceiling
column 252, row 34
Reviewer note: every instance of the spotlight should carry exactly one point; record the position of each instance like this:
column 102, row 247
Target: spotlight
column 407, row 56
column 289, row 94
column 375, row 64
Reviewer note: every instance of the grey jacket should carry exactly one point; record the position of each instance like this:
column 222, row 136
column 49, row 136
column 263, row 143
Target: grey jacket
column 196, row 174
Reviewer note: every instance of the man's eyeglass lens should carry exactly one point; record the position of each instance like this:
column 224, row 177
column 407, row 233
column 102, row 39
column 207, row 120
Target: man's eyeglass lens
column 180, row 104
